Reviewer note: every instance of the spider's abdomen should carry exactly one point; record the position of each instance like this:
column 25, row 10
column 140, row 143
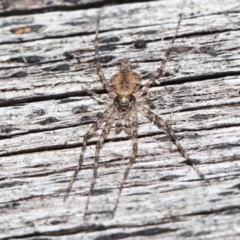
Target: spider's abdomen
column 125, row 82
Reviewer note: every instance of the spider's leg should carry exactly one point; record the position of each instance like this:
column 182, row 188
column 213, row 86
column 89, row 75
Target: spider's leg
column 133, row 156
column 100, row 73
column 95, row 96
column 86, row 137
column 105, row 131
column 159, row 71
column 169, row 131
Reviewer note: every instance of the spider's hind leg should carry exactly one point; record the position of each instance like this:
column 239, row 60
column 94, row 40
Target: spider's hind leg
column 86, row 137
column 134, row 129
column 109, row 120
column 169, row 131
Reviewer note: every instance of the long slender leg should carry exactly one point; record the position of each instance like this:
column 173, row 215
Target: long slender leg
column 94, row 95
column 86, row 137
column 159, row 71
column 100, row 73
column 99, row 144
column 133, row 156
column 169, row 131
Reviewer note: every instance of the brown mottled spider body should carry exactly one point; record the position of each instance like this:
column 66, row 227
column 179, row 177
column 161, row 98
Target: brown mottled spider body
column 127, row 94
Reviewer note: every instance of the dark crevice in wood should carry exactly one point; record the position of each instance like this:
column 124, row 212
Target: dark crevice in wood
column 48, row 37
column 24, row 100
column 204, row 33
column 197, row 78
column 98, row 227
column 36, row 64
column 11, row 183
column 167, row 38
column 146, row 232
column 182, row 80
column 216, row 14
column 91, row 121
column 117, row 139
column 227, row 211
column 34, row 174
column 64, row 8
column 189, row 109
column 47, row 129
column 93, row 33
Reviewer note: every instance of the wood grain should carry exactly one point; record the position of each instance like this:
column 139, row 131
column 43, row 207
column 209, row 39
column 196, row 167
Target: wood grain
column 46, row 61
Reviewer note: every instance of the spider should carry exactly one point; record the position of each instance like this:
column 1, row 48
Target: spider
column 128, row 99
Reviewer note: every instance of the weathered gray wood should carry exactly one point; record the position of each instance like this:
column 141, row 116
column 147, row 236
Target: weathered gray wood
column 12, row 6
column 45, row 112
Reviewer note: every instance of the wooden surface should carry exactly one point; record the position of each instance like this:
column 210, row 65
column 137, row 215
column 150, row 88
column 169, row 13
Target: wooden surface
column 17, row 7
column 45, row 112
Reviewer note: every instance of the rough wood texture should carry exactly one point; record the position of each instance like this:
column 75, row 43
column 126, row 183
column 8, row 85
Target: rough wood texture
column 10, row 7
column 45, row 112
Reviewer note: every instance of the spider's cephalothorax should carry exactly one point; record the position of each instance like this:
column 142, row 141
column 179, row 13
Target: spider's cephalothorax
column 124, row 103
column 125, row 91
column 124, row 84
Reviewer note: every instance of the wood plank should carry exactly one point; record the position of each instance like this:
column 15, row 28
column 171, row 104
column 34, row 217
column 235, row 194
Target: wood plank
column 45, row 112
column 13, row 7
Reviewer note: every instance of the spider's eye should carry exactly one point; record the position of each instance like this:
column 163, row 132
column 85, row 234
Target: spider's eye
column 125, row 104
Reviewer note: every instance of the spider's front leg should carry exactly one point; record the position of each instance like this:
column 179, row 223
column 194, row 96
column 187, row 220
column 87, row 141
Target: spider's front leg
column 100, row 73
column 159, row 71
column 158, row 121
column 95, row 96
